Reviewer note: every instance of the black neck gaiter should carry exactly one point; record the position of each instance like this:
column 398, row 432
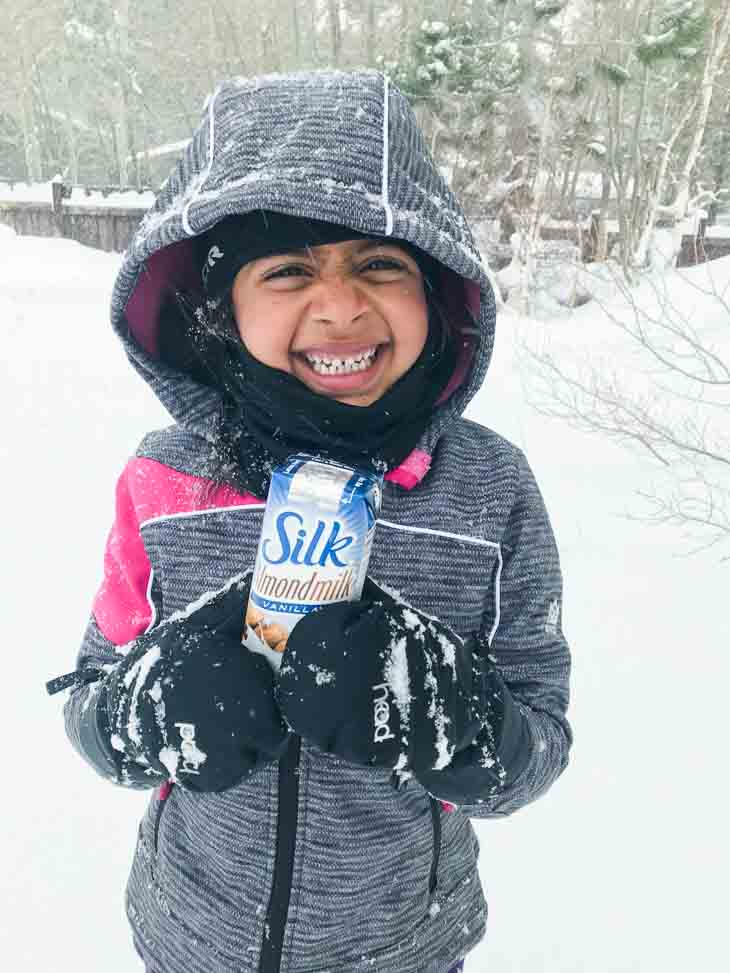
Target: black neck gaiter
column 270, row 414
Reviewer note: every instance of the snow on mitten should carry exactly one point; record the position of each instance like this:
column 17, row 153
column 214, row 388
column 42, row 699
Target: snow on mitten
column 192, row 701
column 500, row 750
column 379, row 683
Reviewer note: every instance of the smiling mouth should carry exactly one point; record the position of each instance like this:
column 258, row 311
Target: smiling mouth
column 332, row 364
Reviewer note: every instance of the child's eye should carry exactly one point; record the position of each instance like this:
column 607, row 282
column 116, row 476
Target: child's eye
column 379, row 262
column 382, row 264
column 290, row 270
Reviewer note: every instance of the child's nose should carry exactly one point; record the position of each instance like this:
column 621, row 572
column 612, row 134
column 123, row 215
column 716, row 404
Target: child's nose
column 338, row 300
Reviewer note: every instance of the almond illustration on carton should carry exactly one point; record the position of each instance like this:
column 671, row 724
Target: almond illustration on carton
column 254, row 619
column 274, row 635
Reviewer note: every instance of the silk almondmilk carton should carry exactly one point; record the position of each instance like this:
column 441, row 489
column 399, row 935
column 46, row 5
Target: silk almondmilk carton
column 314, row 549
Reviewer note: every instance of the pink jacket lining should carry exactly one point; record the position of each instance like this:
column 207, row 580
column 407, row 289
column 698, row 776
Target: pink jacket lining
column 148, row 490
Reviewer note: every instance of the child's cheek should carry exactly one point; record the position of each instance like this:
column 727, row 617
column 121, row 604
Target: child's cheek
column 262, row 343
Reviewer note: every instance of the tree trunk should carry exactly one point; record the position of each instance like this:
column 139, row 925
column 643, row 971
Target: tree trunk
column 122, row 138
column 720, row 35
column 333, row 7
column 602, row 223
column 641, row 251
column 296, row 34
column 721, row 165
column 72, row 149
column 698, row 109
column 33, row 166
column 313, row 38
column 370, row 34
column 270, row 46
column 405, row 24
column 212, row 49
column 236, row 61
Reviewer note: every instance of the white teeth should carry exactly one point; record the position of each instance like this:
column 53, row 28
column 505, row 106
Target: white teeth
column 324, row 365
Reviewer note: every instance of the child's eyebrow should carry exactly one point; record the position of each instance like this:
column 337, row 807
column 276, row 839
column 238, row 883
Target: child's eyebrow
column 360, row 245
column 375, row 242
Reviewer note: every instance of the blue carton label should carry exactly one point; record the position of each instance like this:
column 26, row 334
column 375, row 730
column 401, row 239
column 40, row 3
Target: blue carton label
column 314, row 549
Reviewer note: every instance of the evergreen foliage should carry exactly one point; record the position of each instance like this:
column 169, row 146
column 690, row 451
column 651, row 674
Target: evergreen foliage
column 548, row 8
column 615, row 73
column 457, row 59
column 682, row 28
column 522, row 102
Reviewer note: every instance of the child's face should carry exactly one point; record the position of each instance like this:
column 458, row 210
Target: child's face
column 347, row 319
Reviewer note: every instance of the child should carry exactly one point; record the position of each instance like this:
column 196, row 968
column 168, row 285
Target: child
column 307, row 282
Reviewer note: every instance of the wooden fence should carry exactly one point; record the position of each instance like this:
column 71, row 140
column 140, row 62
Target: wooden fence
column 111, row 227
column 695, row 249
column 107, row 227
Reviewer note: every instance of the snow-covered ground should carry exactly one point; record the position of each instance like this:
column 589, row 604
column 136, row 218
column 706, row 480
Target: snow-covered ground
column 622, row 867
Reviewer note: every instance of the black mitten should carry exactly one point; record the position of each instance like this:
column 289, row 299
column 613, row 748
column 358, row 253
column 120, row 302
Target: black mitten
column 501, row 749
column 191, row 701
column 379, row 683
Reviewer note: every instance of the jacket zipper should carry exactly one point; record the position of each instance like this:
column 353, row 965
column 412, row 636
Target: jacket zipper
column 286, row 834
column 436, row 822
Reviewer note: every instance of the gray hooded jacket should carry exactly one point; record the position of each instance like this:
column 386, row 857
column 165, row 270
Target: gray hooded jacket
column 317, row 865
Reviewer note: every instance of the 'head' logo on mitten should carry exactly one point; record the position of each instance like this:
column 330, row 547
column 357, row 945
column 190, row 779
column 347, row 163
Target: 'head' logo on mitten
column 191, row 755
column 381, row 714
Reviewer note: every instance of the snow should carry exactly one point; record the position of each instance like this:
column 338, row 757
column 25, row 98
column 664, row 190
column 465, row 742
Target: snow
column 76, row 29
column 322, row 676
column 621, row 867
column 720, row 231
column 170, row 758
column 205, row 599
column 397, row 677
column 139, row 673
column 169, row 148
column 40, row 192
column 126, row 199
column 414, row 624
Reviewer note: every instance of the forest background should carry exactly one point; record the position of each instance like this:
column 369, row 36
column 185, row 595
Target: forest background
column 536, row 110
column 541, row 113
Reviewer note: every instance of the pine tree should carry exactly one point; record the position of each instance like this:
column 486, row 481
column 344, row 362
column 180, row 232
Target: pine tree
column 456, row 75
column 681, row 30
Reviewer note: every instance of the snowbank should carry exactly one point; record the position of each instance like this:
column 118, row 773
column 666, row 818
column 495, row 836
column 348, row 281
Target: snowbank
column 615, row 870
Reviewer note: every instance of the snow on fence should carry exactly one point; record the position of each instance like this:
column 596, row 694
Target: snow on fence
column 107, row 218
column 699, row 240
column 97, row 217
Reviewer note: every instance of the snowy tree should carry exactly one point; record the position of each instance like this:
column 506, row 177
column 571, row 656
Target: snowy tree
column 656, row 68
column 520, row 99
column 26, row 48
column 685, row 28
column 669, row 400
column 479, row 83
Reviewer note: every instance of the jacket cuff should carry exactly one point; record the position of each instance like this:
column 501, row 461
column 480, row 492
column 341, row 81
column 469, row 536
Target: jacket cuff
column 475, row 773
column 516, row 744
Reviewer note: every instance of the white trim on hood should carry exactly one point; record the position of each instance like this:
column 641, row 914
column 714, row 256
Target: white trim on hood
column 384, row 184
column 204, row 178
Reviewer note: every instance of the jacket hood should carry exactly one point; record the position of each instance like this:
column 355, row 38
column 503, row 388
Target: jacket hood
column 327, row 145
